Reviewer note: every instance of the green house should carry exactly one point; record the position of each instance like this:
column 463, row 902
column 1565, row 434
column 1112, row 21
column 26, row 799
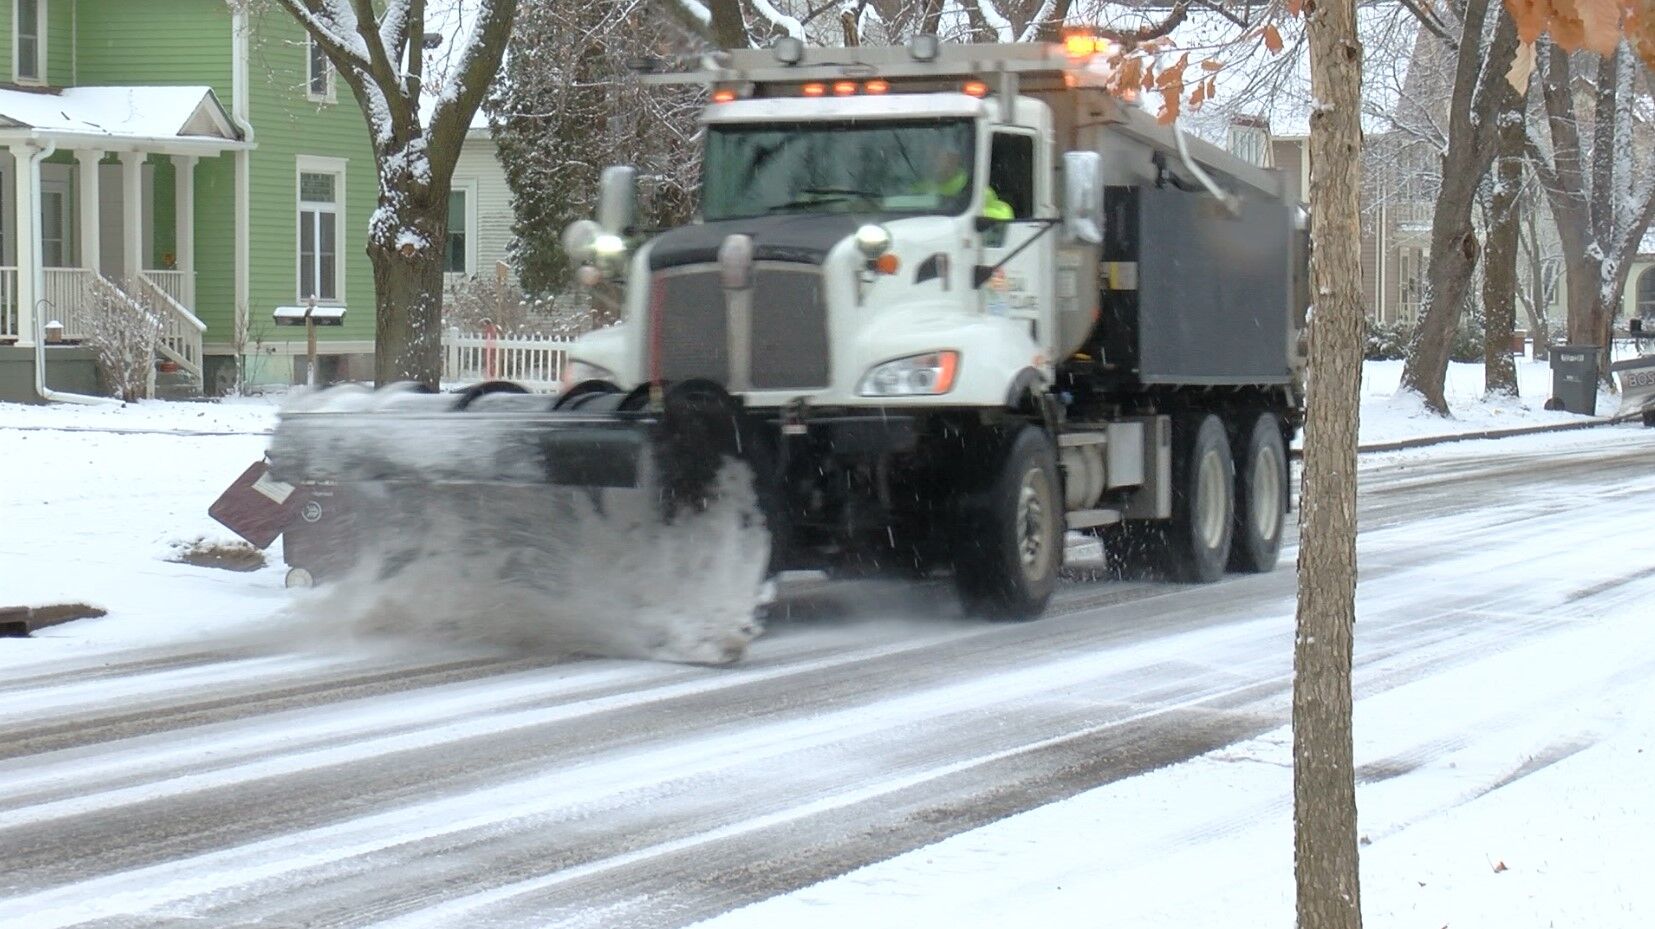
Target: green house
column 180, row 156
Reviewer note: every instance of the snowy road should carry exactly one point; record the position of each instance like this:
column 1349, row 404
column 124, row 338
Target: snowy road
column 221, row 786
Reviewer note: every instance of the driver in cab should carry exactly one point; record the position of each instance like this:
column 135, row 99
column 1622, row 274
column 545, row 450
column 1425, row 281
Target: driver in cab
column 949, row 178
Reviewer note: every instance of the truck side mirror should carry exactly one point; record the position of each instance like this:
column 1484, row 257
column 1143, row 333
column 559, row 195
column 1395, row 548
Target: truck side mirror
column 1083, row 197
column 617, row 198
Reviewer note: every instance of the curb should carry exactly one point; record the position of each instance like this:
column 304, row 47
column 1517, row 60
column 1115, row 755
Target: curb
column 1425, row 441
column 21, row 621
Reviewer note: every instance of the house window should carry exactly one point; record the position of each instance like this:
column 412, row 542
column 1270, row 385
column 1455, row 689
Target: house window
column 454, row 260
column 319, row 204
column 1646, row 294
column 319, row 74
column 1250, row 143
column 29, row 39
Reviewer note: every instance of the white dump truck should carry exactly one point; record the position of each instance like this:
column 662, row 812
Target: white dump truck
column 947, row 302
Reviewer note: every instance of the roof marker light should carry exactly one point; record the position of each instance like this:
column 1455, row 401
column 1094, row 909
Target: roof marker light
column 723, row 95
column 813, row 90
column 975, row 88
column 877, row 86
column 844, row 88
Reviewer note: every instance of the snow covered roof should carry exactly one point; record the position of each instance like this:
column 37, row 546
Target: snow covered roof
column 182, row 117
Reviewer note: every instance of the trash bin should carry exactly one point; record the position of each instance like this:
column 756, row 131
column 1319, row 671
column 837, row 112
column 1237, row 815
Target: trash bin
column 1575, row 378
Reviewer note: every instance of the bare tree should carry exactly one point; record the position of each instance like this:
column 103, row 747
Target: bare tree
column 376, row 48
column 1500, row 267
column 1602, row 193
column 1480, row 91
column 1324, row 776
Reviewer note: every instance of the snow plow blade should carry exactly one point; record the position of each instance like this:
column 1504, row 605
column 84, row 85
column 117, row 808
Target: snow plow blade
column 592, row 436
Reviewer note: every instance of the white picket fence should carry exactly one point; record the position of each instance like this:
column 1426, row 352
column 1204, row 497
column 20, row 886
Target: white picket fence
column 536, row 362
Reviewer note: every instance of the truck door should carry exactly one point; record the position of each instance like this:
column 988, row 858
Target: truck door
column 1017, row 290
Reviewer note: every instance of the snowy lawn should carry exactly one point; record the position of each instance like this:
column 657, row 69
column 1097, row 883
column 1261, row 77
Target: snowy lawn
column 1389, row 417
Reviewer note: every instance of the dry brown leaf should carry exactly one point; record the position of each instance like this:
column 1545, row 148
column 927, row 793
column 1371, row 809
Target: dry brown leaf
column 1294, row 8
column 1272, row 39
column 1212, row 87
column 1210, row 64
column 1199, row 96
column 1601, row 22
column 1169, row 100
column 1131, row 73
column 1522, row 65
column 1499, row 866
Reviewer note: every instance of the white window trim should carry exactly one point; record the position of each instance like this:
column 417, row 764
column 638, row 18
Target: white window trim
column 320, row 164
column 332, row 95
column 41, row 44
column 468, row 187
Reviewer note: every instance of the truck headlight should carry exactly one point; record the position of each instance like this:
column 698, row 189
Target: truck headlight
column 914, row 376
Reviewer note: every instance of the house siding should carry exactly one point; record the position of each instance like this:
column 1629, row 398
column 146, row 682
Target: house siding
column 479, row 168
column 289, row 125
column 176, row 42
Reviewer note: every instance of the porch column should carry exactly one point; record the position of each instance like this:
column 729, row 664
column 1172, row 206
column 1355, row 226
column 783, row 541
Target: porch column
column 132, row 215
column 184, row 199
column 87, row 198
column 25, row 174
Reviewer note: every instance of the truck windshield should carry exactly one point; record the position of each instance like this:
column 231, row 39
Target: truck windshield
column 821, row 167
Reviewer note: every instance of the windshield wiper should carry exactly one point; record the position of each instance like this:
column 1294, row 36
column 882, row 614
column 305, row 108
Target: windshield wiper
column 817, row 196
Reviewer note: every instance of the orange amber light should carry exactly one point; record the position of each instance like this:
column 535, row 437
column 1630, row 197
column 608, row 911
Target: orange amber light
column 814, row 90
column 844, row 88
column 723, row 95
column 877, row 87
column 975, row 88
column 886, row 264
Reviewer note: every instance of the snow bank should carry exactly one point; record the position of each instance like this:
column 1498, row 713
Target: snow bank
column 1390, row 416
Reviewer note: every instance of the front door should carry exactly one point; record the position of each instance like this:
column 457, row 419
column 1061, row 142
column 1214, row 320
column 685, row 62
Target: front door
column 1016, row 289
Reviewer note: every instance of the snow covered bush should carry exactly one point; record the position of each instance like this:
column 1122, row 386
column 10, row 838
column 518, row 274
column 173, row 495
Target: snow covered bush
column 123, row 330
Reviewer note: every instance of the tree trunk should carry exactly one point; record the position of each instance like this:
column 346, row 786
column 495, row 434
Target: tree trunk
column 1539, row 326
column 1324, row 777
column 408, row 292
column 1480, row 91
column 1500, row 261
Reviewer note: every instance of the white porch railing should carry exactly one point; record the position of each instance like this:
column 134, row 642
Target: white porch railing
column 536, row 362
column 8, row 304
column 68, row 301
column 71, row 294
column 172, row 284
column 180, row 329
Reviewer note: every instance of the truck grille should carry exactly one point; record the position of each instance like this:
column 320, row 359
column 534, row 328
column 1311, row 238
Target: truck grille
column 785, row 320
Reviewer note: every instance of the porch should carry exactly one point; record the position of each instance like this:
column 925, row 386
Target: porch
column 79, row 231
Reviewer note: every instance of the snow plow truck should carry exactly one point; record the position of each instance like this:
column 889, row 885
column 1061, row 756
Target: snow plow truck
column 947, row 304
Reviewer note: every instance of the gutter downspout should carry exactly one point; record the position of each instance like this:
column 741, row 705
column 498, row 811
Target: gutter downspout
column 241, row 249
column 38, row 272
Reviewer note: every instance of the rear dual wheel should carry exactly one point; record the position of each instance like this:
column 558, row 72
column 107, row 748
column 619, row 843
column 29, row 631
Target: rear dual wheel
column 1261, row 496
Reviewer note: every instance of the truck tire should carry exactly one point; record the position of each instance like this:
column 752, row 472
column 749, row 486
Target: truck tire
column 1011, row 546
column 1198, row 537
column 1261, row 496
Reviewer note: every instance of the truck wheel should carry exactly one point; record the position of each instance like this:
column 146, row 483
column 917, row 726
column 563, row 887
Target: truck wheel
column 1011, row 547
column 1203, row 502
column 1260, row 498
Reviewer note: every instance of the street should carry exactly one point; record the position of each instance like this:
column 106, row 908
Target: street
column 221, row 784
